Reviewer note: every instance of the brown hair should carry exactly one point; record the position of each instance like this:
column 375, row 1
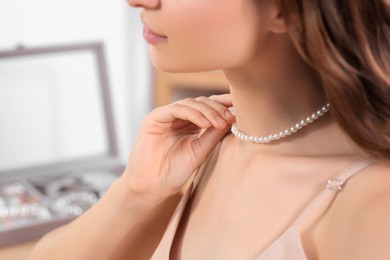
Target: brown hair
column 347, row 42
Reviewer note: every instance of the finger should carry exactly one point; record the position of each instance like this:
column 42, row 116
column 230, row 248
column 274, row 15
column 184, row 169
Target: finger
column 172, row 112
column 220, row 108
column 203, row 145
column 216, row 117
column 225, row 99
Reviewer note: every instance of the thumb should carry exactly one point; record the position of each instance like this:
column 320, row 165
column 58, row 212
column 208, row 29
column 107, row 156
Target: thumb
column 203, row 145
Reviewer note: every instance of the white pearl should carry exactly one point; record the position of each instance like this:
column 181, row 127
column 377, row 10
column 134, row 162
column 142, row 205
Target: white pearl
column 303, row 123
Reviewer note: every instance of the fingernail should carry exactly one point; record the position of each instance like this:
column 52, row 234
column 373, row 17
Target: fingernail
column 228, row 114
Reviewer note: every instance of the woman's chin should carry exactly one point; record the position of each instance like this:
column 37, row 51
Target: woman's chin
column 180, row 67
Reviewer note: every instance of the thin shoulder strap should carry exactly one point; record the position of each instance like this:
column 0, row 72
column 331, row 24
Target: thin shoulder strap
column 335, row 185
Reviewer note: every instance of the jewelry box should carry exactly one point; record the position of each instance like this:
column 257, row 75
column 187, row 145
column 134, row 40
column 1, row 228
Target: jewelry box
column 58, row 148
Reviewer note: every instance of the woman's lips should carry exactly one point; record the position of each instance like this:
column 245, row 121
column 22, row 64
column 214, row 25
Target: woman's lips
column 151, row 37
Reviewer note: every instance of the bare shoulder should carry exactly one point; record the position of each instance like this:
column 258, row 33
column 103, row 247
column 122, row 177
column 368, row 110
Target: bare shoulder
column 370, row 233
column 364, row 232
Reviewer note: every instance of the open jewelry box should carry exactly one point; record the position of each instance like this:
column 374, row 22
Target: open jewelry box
column 58, row 151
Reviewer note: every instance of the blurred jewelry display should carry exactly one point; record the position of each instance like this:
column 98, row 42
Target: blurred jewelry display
column 18, row 206
column 276, row 136
column 74, row 203
column 44, row 198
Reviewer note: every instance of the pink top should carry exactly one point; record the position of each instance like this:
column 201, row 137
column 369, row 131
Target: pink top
column 286, row 246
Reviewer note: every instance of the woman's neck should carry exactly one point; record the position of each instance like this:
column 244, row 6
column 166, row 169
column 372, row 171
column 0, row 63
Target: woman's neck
column 274, row 90
column 266, row 103
column 274, row 94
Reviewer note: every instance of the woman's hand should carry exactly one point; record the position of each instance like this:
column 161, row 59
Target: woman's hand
column 174, row 141
column 169, row 149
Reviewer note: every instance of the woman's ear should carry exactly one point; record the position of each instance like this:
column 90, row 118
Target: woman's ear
column 277, row 23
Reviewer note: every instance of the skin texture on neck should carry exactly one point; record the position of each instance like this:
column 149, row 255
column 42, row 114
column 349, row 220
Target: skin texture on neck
column 274, row 91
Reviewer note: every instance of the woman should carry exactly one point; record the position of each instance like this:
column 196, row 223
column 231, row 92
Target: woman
column 293, row 181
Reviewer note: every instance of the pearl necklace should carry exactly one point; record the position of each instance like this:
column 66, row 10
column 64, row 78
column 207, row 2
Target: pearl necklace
column 271, row 137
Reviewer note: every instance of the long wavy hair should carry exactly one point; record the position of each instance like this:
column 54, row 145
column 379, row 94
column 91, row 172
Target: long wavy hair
column 347, row 42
